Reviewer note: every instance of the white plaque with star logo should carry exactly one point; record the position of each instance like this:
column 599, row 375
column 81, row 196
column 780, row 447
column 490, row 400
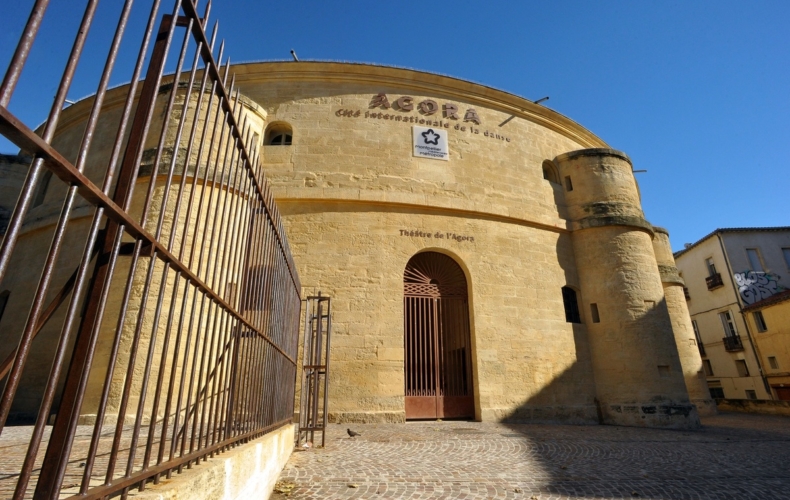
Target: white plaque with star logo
column 430, row 142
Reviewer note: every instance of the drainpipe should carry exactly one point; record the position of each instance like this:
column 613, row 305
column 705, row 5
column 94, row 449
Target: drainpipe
column 745, row 320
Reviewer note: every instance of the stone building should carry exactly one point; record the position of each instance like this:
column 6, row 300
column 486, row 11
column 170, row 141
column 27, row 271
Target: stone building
column 734, row 276
column 770, row 318
column 487, row 257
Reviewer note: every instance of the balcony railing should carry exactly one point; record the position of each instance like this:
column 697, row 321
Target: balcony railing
column 733, row 343
column 714, row 281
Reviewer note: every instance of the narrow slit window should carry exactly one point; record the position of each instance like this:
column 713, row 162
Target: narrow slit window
column 568, row 183
column 773, row 363
column 759, row 320
column 41, row 190
column 594, row 313
column 571, row 305
column 3, row 301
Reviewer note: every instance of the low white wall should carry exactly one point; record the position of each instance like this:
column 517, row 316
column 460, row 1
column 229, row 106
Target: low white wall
column 248, row 471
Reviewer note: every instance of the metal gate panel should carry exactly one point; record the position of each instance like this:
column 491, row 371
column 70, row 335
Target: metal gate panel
column 193, row 293
column 438, row 375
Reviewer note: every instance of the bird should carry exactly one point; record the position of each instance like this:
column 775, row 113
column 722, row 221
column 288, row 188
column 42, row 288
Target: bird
column 352, row 433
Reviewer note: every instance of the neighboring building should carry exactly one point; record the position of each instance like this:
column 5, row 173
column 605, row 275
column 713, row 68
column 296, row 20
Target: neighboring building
column 487, row 257
column 726, row 272
column 770, row 320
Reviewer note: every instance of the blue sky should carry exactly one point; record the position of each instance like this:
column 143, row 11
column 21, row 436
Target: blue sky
column 695, row 92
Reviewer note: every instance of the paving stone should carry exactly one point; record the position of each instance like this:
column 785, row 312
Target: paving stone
column 733, row 456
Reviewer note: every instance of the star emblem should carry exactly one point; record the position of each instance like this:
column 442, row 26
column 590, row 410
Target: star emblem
column 430, row 137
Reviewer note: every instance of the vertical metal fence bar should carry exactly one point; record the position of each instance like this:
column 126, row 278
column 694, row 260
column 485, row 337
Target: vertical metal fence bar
column 78, row 371
column 25, row 340
column 233, row 360
column 22, row 51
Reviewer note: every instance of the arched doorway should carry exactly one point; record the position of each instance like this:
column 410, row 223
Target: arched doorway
column 438, row 358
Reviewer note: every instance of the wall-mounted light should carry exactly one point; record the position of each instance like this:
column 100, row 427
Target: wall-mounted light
column 293, row 54
column 541, row 100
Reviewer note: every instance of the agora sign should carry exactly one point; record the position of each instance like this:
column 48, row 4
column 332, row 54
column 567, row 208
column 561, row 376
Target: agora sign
column 427, row 107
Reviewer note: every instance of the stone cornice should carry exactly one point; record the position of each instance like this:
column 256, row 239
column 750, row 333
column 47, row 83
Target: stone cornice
column 419, row 82
column 594, row 152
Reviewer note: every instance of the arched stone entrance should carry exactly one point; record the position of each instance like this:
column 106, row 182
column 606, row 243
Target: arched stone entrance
column 438, row 358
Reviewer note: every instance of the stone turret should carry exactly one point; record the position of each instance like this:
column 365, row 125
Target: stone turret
column 681, row 324
column 638, row 374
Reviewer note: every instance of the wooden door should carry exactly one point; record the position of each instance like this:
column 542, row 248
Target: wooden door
column 782, row 393
column 436, row 339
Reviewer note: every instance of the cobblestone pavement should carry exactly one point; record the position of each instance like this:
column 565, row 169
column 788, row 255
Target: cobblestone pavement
column 734, row 456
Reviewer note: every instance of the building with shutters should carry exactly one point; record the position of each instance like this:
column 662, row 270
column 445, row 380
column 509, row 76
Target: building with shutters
column 736, row 279
column 487, row 257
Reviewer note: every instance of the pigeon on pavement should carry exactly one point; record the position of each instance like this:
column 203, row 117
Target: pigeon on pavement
column 352, row 433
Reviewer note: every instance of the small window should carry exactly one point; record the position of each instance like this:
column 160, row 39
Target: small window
column 708, row 367
column 759, row 321
column 754, row 259
column 786, row 253
column 279, row 134
column 281, row 140
column 550, row 173
column 711, row 267
column 571, row 305
column 696, row 331
column 751, row 394
column 41, row 189
column 594, row 313
column 716, row 392
column 773, row 363
column 3, row 301
column 743, row 369
column 728, row 324
column 568, row 183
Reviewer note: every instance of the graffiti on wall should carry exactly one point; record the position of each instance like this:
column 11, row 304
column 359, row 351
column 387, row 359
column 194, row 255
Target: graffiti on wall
column 754, row 286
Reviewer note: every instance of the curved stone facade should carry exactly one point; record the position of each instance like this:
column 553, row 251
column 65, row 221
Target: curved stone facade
column 686, row 340
column 359, row 199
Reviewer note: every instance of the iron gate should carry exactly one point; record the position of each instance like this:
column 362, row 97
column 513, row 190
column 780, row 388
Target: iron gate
column 436, row 339
column 313, row 409
column 166, row 303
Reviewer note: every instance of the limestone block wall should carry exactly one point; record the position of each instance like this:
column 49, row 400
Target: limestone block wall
column 211, row 237
column 529, row 363
column 358, row 205
column 686, row 342
column 638, row 375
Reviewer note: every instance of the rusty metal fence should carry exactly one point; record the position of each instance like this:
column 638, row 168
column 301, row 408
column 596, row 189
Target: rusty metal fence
column 150, row 302
column 313, row 401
